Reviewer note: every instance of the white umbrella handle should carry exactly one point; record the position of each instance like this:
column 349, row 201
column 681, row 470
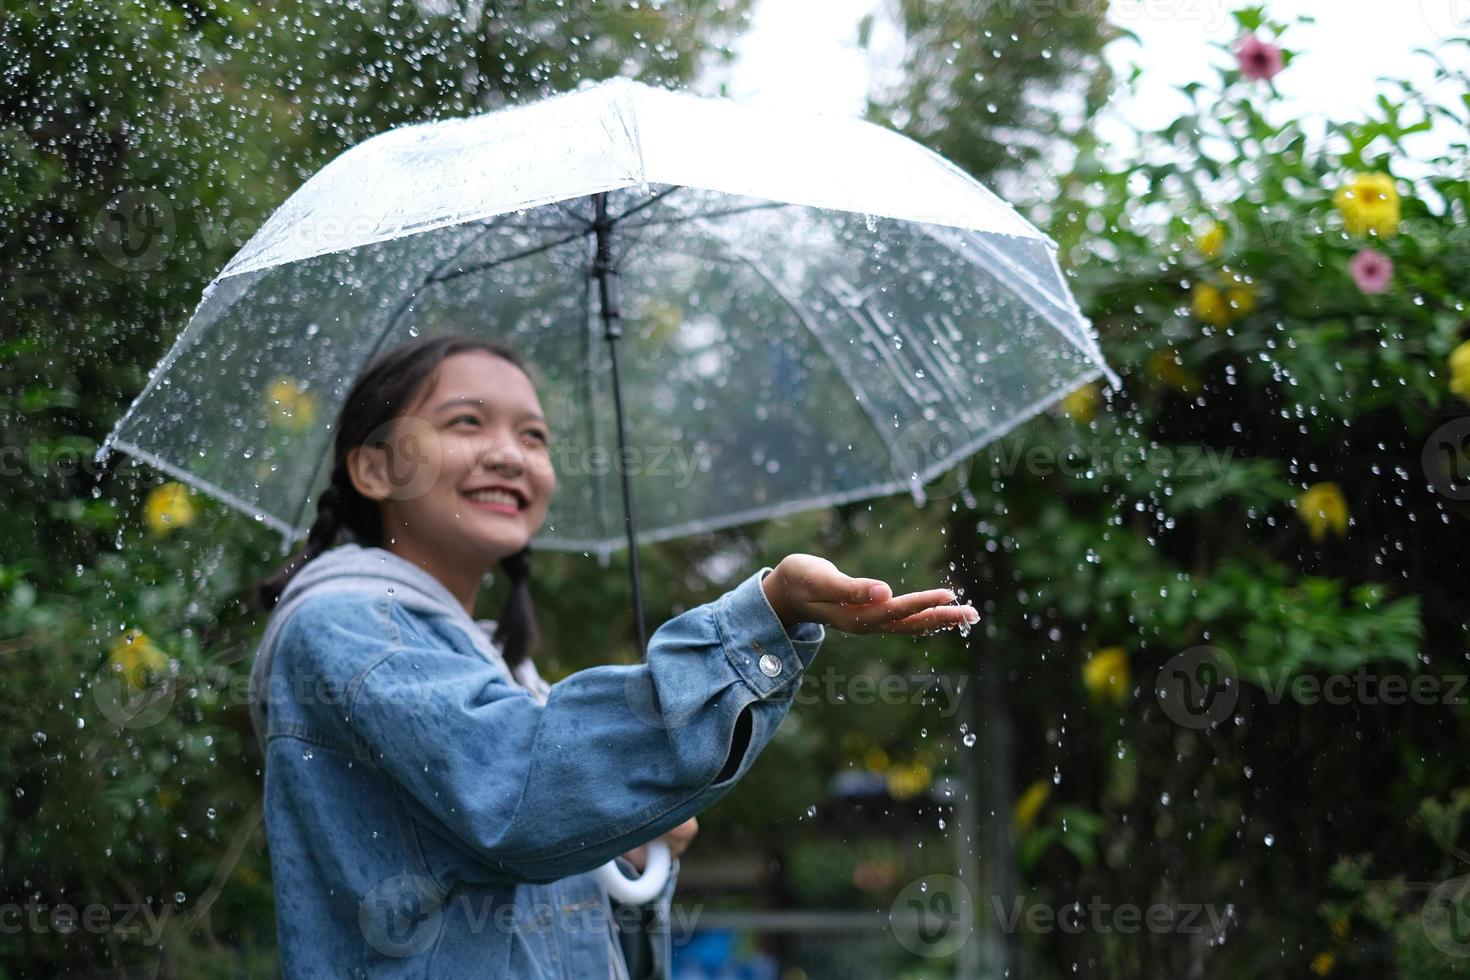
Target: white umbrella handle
column 636, row 891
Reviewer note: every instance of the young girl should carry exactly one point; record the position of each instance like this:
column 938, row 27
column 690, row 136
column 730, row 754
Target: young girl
column 433, row 807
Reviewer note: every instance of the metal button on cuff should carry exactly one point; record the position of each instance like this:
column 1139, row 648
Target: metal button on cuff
column 770, row 664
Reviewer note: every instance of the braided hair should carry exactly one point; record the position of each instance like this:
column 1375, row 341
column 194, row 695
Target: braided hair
column 376, row 397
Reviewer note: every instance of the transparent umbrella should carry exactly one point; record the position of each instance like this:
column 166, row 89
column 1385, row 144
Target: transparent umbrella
column 810, row 309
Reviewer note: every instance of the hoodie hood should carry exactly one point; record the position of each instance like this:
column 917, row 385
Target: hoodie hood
column 353, row 568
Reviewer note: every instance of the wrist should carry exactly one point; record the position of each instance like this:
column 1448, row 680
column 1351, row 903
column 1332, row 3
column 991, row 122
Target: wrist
column 771, row 585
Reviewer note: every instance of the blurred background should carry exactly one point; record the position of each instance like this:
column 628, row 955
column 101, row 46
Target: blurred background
column 1212, row 723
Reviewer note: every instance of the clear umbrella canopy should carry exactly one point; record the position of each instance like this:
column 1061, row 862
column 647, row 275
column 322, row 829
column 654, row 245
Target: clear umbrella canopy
column 814, row 309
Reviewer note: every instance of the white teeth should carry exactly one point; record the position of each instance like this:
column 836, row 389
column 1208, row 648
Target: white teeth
column 494, row 497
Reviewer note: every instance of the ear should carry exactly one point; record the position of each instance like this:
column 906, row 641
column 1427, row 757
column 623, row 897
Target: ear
column 368, row 468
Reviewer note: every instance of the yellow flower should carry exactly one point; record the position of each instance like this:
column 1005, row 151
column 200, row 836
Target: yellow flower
column 908, row 781
column 1210, row 305
column 166, row 798
column 288, row 405
column 1081, row 405
column 1221, row 304
column 1460, row 370
column 1323, row 963
column 1368, row 204
column 1024, row 814
column 168, row 507
column 1323, row 508
column 1210, row 240
column 1241, row 298
column 1166, row 368
column 135, row 657
column 1340, row 927
column 1106, row 675
column 876, row 760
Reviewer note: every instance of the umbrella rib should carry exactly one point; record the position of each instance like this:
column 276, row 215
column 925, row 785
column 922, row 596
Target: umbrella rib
column 770, row 205
column 650, row 202
column 437, row 277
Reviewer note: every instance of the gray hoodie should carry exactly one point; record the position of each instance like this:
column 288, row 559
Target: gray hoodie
column 354, row 568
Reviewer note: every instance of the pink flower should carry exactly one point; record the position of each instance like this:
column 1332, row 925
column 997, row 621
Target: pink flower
column 1260, row 61
column 1372, row 271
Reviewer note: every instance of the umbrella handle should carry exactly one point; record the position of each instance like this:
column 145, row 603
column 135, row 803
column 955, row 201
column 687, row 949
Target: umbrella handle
column 636, row 891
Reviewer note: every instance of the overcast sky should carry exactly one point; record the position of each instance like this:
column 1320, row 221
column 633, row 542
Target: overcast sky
column 803, row 53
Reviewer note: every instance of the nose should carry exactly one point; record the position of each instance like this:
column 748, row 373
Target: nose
column 505, row 458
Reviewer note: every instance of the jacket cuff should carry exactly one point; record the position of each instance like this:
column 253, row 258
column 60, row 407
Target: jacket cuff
column 768, row 658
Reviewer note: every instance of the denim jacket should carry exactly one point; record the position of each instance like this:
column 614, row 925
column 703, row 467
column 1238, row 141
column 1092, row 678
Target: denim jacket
column 431, row 814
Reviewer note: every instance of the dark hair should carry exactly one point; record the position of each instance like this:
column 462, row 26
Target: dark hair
column 377, row 396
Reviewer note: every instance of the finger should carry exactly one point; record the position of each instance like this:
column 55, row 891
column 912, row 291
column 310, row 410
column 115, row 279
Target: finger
column 902, row 606
column 945, row 617
column 853, row 591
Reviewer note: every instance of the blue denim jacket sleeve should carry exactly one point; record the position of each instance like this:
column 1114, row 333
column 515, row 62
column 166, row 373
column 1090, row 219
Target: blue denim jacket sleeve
column 617, row 755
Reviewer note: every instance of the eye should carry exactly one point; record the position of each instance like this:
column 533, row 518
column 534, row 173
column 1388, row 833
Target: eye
column 538, row 435
column 459, row 418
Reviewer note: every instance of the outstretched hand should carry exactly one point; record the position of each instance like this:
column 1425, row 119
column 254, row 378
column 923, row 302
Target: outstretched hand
column 810, row 589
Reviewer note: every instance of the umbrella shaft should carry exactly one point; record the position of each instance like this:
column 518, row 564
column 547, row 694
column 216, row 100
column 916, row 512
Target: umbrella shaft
column 607, row 283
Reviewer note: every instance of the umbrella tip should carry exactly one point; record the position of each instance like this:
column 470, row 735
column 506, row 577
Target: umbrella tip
column 916, row 490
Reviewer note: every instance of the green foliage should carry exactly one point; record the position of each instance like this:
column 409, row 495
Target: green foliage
column 1167, row 516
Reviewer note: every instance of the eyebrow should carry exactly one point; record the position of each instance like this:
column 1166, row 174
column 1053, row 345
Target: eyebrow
column 477, row 403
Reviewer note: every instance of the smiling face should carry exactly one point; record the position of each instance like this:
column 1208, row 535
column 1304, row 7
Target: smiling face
column 463, row 475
